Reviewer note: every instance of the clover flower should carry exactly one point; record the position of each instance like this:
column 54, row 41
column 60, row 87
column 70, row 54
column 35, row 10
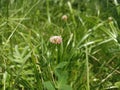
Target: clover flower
column 64, row 17
column 56, row 39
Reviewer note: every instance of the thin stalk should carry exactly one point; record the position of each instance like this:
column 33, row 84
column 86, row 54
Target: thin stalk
column 71, row 11
column 52, row 76
column 37, row 76
column 87, row 68
column 5, row 73
column 118, row 8
column 48, row 13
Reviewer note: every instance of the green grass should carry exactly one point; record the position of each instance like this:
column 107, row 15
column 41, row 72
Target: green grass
column 87, row 59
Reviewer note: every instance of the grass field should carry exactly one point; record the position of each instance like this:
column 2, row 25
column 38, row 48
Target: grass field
column 59, row 45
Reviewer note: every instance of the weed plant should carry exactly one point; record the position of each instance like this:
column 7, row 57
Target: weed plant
column 87, row 58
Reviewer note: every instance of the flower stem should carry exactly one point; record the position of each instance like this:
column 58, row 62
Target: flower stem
column 87, row 67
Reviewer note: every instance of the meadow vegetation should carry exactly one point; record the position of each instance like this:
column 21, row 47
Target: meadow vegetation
column 85, row 58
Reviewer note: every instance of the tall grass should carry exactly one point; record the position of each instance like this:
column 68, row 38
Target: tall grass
column 87, row 59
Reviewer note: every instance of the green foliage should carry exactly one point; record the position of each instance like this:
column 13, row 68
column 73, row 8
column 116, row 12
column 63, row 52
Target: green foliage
column 117, row 84
column 61, row 81
column 49, row 86
column 87, row 59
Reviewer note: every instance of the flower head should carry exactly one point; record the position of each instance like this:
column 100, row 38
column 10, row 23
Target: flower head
column 56, row 39
column 110, row 19
column 64, row 17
